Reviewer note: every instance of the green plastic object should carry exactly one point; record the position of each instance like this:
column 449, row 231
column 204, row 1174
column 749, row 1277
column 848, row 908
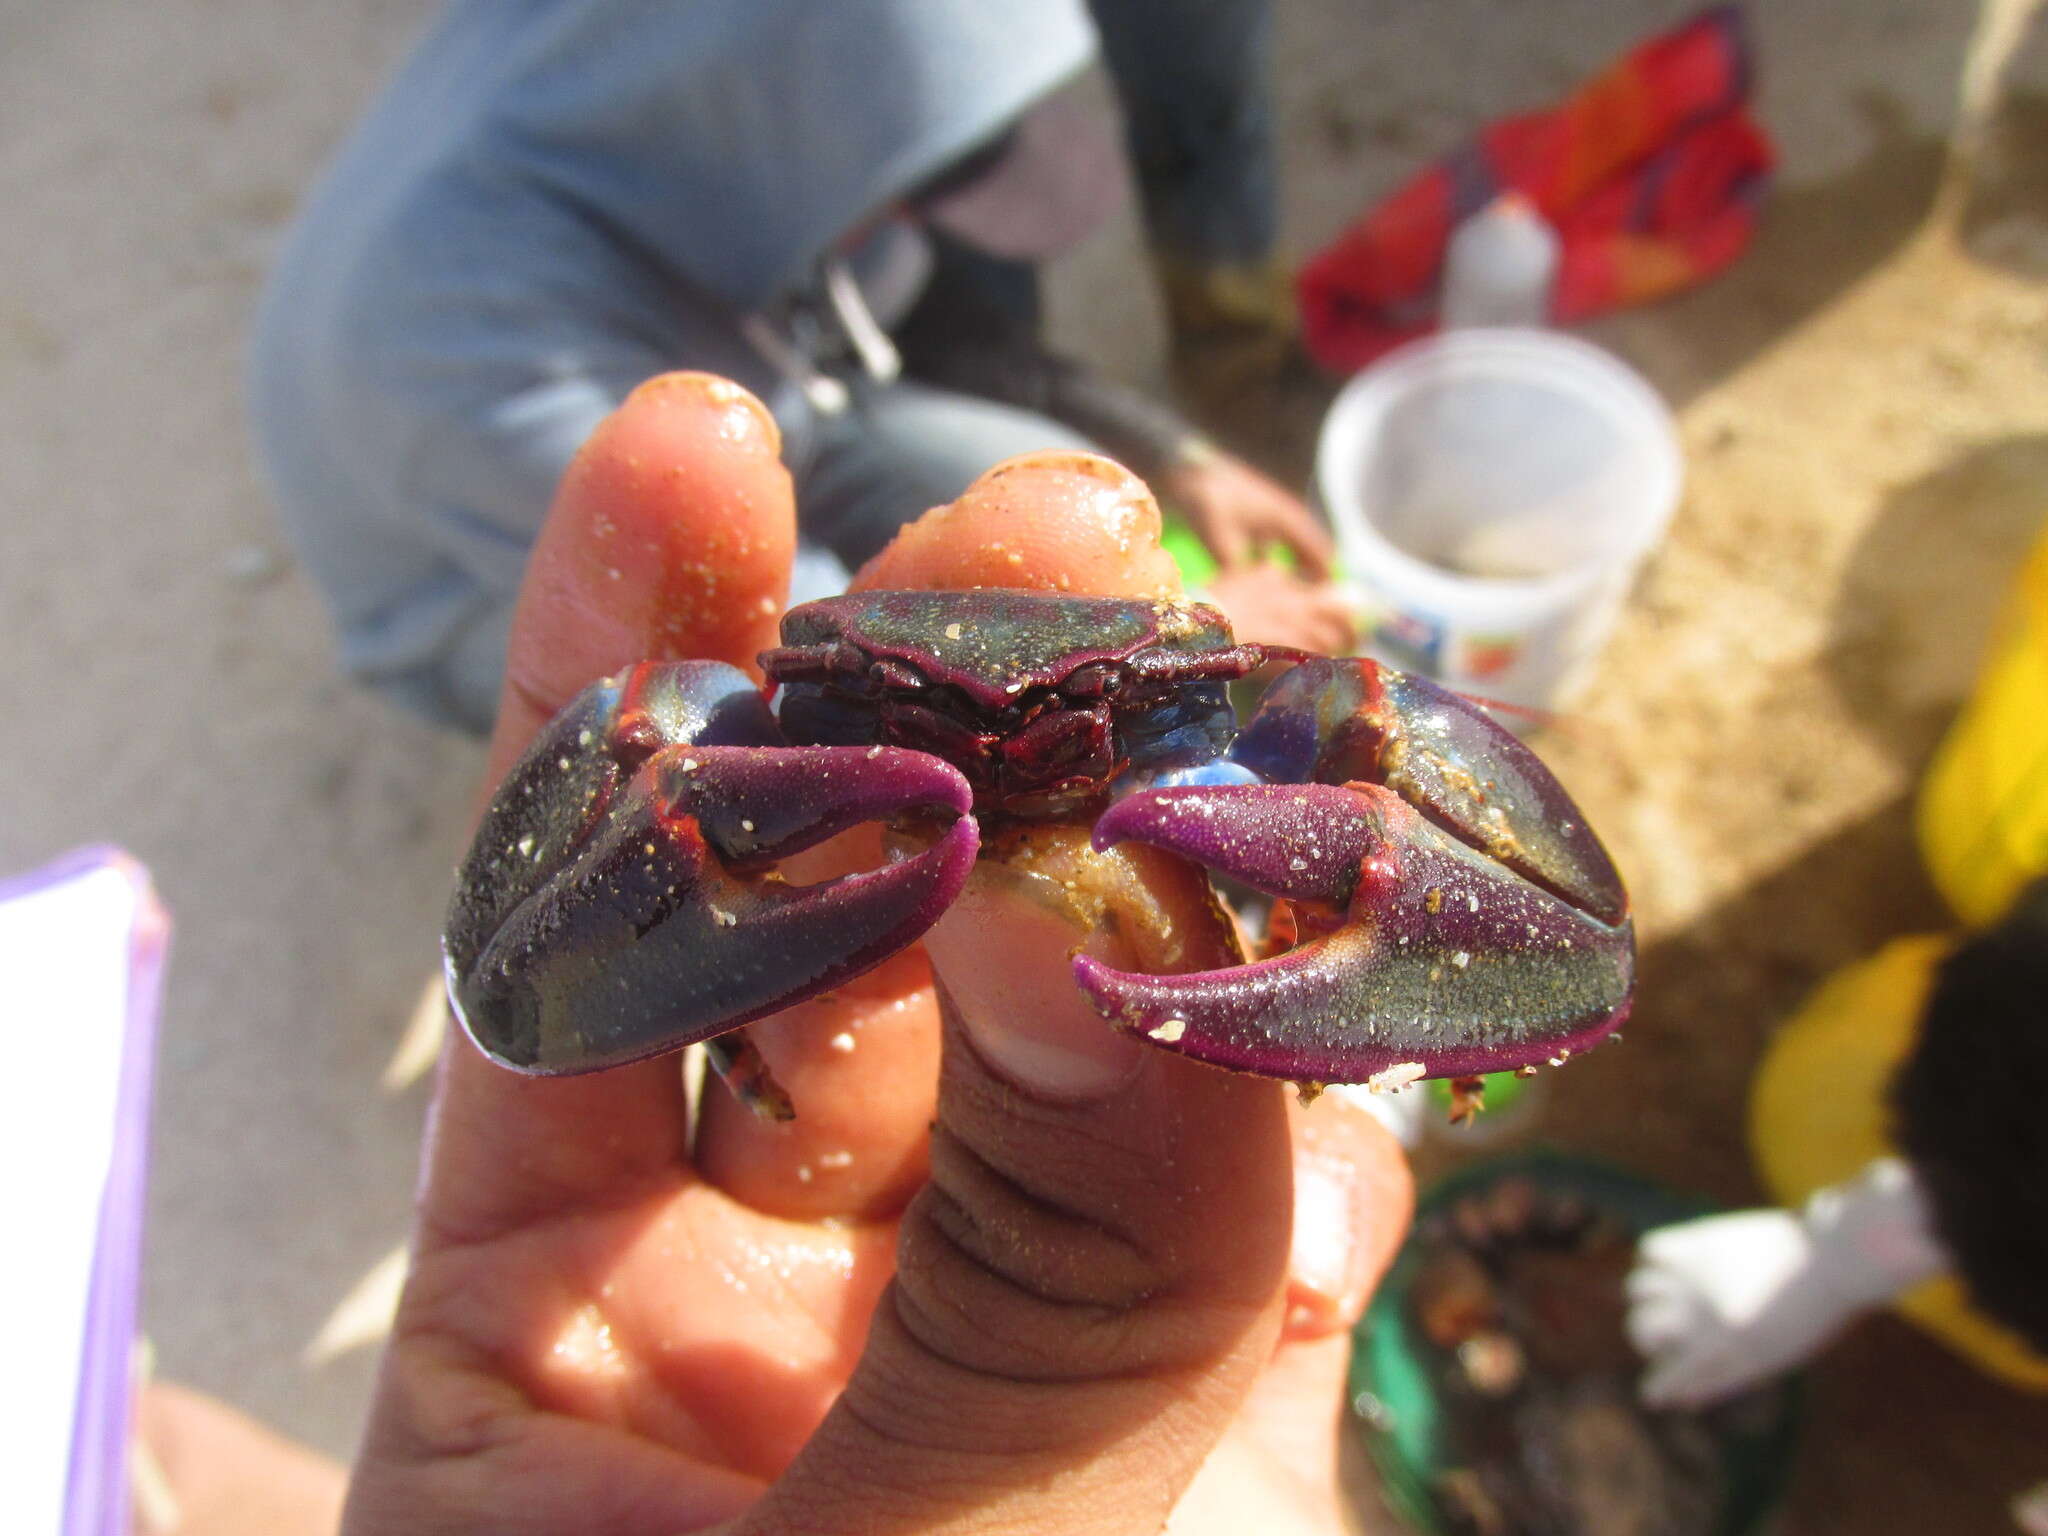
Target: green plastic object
column 1503, row 1090
column 1197, row 565
column 1395, row 1407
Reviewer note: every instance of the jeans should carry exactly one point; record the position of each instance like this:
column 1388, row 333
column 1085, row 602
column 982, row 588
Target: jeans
column 900, row 449
column 1194, row 77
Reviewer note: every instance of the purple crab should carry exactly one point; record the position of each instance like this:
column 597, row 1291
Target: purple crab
column 622, row 897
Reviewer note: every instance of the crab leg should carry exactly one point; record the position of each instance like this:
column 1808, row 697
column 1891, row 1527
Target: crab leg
column 620, row 900
column 1442, row 957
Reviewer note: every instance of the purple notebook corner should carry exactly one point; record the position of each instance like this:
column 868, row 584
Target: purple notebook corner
column 95, row 1488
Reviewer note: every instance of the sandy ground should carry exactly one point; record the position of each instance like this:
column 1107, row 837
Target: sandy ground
column 1867, row 423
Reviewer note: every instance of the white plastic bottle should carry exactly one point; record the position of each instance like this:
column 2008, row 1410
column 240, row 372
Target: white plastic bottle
column 1501, row 266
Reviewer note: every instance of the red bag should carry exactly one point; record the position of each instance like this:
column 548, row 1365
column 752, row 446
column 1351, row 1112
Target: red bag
column 1651, row 173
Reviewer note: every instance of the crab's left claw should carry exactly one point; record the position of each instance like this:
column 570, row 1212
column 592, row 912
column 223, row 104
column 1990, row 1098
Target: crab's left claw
column 1433, row 952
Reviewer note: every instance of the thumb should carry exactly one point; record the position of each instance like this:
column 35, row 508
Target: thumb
column 1093, row 1279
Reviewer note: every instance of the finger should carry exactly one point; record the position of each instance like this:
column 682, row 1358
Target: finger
column 1095, row 1275
column 1325, row 614
column 1226, row 535
column 1314, row 551
column 1315, row 617
column 1336, row 625
column 501, row 1467
column 691, row 1321
column 1276, row 1471
column 1685, row 1381
column 1066, row 522
column 1678, row 1247
column 1649, row 1279
column 1230, row 543
column 1254, row 508
column 225, row 1472
column 1089, row 1286
column 861, row 1065
column 1657, row 1326
column 670, row 536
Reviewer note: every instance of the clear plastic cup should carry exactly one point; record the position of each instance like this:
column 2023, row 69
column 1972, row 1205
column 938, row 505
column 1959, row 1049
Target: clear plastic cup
column 1492, row 493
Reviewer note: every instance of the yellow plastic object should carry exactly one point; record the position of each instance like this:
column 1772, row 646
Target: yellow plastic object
column 1983, row 811
column 1819, row 1112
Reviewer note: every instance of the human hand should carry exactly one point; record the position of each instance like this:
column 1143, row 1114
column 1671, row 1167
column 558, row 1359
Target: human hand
column 1720, row 1304
column 1008, row 1273
column 1271, row 605
column 1236, row 511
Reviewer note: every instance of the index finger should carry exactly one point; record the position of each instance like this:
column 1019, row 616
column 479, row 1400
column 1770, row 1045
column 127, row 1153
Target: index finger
column 670, row 537
column 1314, row 551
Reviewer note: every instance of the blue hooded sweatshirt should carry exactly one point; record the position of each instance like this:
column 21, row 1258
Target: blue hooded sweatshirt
column 554, row 201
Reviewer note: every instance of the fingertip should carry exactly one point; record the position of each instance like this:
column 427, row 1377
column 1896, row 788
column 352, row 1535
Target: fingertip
column 688, row 397
column 1314, row 547
column 1232, row 550
column 670, row 536
column 1072, row 522
column 674, row 527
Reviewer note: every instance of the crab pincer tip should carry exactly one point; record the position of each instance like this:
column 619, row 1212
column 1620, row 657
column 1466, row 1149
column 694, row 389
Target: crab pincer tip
column 1306, row 842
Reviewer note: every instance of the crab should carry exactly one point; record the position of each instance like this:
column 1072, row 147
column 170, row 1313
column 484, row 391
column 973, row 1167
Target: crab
column 1437, row 899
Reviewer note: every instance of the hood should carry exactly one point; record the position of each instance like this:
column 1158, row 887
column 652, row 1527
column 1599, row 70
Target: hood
column 732, row 140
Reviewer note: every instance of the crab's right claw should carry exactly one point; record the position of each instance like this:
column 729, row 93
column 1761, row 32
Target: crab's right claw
column 1432, row 953
column 606, row 915
column 1339, row 720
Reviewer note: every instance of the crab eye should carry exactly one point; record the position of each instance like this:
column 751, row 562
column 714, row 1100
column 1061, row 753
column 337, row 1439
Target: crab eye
column 1097, row 680
column 895, row 674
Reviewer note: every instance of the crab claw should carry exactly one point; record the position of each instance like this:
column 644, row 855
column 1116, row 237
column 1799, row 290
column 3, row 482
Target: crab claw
column 662, row 921
column 1339, row 720
column 1443, row 956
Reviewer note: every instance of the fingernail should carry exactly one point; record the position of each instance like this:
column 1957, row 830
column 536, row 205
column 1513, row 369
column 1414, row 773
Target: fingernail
column 1323, row 1242
column 1004, row 964
column 1323, row 1262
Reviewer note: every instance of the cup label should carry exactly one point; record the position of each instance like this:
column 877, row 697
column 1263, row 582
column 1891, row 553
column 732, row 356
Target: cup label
column 1483, row 657
column 1409, row 642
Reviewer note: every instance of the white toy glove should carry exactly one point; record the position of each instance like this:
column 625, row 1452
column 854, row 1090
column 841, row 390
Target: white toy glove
column 1719, row 1304
column 2030, row 1510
